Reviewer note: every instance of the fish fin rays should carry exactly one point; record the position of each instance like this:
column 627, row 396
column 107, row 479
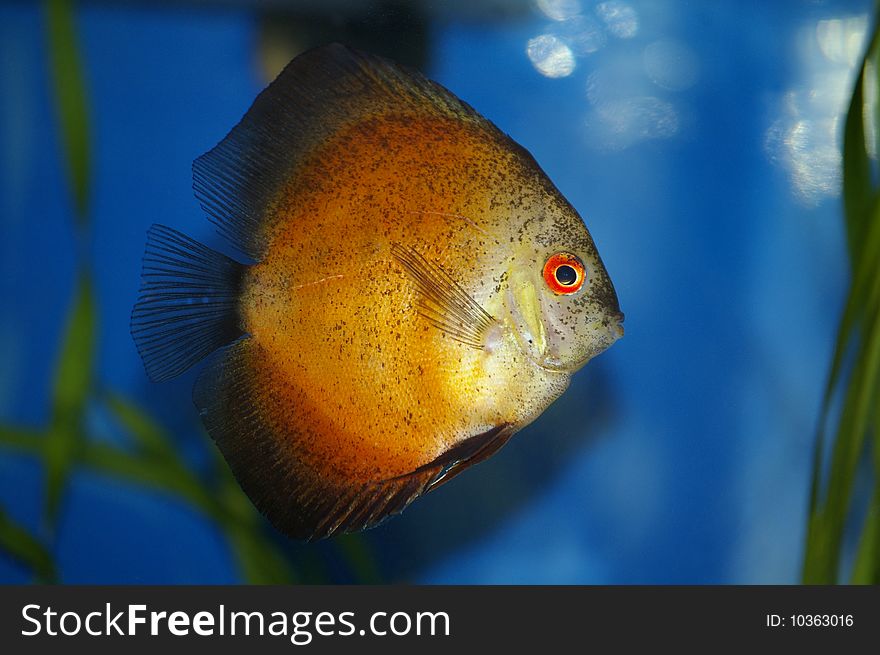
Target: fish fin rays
column 302, row 502
column 472, row 451
column 442, row 301
column 318, row 92
column 187, row 306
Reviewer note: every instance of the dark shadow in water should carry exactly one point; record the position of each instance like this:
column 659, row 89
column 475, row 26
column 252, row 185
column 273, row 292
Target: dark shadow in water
column 394, row 29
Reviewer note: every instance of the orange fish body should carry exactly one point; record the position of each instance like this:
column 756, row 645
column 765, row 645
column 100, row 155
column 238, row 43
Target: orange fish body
column 398, row 324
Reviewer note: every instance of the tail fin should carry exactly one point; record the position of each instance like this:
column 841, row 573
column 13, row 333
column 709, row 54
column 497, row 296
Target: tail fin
column 188, row 303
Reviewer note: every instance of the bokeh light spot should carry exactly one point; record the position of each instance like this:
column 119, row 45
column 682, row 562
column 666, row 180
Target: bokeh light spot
column 559, row 9
column 619, row 124
column 551, row 56
column 620, row 19
column 582, row 34
column 804, row 138
column 671, row 64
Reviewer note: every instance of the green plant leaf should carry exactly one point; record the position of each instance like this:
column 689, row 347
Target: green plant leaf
column 850, row 440
column 23, row 547
column 857, row 192
column 71, row 388
column 828, row 519
column 151, row 473
column 21, row 440
column 357, row 553
column 158, row 465
column 855, row 367
column 74, row 372
column 258, row 560
column 236, row 506
column 73, row 376
column 856, row 195
column 866, row 569
column 70, row 99
column 147, row 434
column 862, row 294
column 867, row 565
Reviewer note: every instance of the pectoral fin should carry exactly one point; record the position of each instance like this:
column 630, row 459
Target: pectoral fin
column 442, row 301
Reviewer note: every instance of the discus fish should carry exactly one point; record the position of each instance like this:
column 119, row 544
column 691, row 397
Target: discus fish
column 416, row 291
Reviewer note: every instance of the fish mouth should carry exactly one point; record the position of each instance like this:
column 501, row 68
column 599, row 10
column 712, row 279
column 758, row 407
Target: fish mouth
column 617, row 319
column 541, row 342
column 551, row 363
column 604, row 333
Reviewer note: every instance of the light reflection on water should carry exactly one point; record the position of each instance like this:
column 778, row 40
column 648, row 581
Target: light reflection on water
column 630, row 81
column 620, row 18
column 583, row 34
column 618, row 124
column 550, row 56
column 671, row 64
column 627, row 103
column 582, row 31
column 559, row 9
column 622, row 108
column 805, row 136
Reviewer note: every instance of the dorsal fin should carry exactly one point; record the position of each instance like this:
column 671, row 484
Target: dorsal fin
column 317, row 93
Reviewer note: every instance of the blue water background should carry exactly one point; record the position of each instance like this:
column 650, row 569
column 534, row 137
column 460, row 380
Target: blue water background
column 682, row 455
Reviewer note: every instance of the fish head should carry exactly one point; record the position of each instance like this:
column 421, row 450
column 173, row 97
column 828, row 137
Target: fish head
column 559, row 301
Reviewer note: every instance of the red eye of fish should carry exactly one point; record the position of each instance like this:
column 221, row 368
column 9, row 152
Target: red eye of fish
column 564, row 273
